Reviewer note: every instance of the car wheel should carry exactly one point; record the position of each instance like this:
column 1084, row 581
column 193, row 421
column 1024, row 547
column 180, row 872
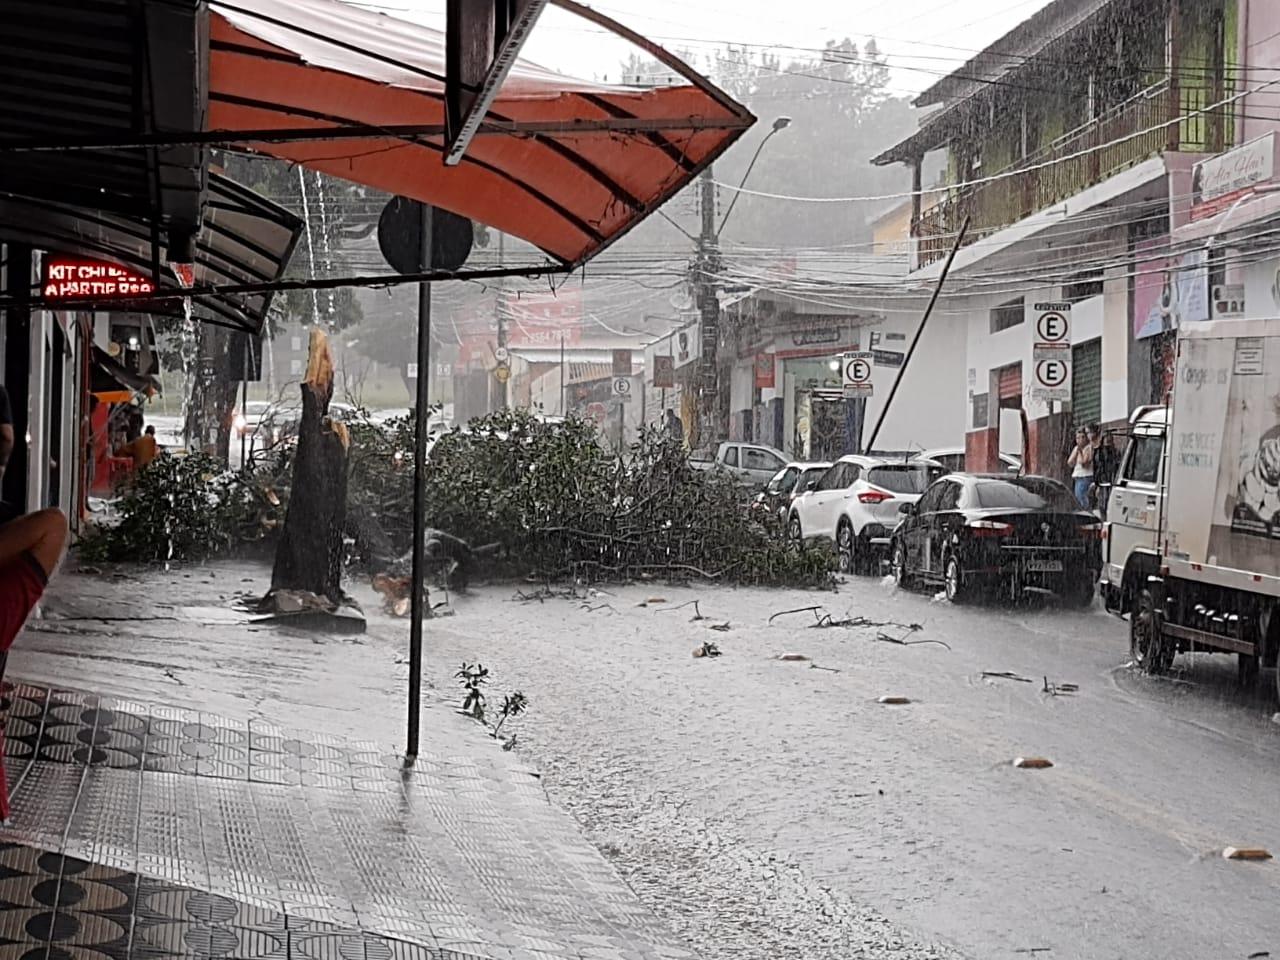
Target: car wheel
column 1148, row 650
column 844, row 547
column 793, row 530
column 898, row 560
column 953, row 576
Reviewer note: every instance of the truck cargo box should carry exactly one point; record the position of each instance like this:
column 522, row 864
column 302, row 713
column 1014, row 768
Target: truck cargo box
column 1222, row 515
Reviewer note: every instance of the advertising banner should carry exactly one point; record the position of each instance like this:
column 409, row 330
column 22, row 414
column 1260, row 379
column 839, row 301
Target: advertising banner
column 1224, row 458
column 1168, row 291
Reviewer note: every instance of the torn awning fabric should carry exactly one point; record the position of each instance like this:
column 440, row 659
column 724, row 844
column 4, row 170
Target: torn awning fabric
column 530, row 172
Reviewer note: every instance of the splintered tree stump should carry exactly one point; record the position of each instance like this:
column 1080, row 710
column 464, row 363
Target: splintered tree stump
column 309, row 557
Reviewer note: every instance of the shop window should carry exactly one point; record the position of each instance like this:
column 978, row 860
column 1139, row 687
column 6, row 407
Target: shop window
column 1008, row 315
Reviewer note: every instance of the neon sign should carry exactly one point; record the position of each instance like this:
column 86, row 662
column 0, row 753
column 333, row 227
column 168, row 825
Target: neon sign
column 77, row 278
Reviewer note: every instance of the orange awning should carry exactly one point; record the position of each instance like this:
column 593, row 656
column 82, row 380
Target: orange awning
column 317, row 64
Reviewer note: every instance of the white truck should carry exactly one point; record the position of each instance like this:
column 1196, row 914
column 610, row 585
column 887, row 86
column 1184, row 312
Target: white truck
column 1193, row 522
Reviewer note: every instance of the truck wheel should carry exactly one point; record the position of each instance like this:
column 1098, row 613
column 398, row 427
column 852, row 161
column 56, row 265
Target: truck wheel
column 1147, row 648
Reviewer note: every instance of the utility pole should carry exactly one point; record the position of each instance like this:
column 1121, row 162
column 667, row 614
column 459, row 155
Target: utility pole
column 502, row 323
column 708, row 301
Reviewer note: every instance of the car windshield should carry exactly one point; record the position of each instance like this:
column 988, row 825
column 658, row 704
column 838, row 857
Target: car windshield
column 1026, row 494
column 910, row 478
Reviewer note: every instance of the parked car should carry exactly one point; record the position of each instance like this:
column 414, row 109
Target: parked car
column 974, row 533
column 953, row 459
column 855, row 503
column 751, row 464
column 787, row 484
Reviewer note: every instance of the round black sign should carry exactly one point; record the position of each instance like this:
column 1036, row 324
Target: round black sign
column 400, row 236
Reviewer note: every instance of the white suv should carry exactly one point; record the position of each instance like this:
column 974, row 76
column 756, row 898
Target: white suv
column 856, row 503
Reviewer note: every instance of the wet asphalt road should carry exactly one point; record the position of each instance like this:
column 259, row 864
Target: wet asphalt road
column 771, row 808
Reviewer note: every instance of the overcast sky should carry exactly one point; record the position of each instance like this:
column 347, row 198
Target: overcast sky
column 923, row 38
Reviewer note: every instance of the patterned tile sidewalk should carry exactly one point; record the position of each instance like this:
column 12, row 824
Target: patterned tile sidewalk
column 142, row 831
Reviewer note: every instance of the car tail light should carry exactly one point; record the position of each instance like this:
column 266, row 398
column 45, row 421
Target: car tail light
column 990, row 528
column 874, row 496
column 1093, row 531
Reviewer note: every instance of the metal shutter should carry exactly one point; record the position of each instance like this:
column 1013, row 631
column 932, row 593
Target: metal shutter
column 1009, row 385
column 1086, row 382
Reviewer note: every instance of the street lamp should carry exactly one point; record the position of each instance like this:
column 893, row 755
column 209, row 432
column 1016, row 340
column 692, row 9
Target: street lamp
column 780, row 124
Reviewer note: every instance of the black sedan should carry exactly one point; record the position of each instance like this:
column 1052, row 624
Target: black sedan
column 978, row 533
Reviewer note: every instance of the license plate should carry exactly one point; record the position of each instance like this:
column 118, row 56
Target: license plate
column 1044, row 566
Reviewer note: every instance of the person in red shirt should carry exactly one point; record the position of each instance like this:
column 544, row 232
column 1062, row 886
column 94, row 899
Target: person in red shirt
column 30, row 549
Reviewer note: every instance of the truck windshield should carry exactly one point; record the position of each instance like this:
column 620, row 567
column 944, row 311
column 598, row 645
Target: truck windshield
column 1030, row 493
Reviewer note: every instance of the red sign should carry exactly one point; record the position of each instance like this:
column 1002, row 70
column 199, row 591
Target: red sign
column 543, row 319
column 76, row 278
column 764, row 370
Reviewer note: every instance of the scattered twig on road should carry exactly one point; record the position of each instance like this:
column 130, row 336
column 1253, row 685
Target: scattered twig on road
column 904, row 642
column 1006, row 675
column 1033, row 950
column 1060, row 689
column 722, row 627
column 545, row 593
column 708, row 649
column 175, row 678
column 599, row 606
column 814, row 666
column 697, row 612
column 786, row 613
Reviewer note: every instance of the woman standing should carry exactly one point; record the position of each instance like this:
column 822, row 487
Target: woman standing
column 1081, row 464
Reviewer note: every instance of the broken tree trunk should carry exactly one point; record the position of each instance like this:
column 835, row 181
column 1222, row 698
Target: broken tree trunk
column 309, row 557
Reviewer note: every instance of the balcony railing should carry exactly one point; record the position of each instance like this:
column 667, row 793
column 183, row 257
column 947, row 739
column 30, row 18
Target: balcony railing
column 1078, row 160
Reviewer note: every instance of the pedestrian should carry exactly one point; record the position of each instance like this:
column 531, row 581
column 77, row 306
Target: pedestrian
column 674, row 427
column 142, row 450
column 1081, row 465
column 1105, row 462
column 30, row 551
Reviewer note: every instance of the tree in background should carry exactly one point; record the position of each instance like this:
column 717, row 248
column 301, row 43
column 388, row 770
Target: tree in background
column 335, row 213
column 842, row 114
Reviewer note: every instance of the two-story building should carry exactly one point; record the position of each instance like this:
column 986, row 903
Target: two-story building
column 1071, row 145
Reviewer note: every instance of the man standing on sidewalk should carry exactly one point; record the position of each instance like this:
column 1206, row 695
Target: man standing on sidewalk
column 30, row 550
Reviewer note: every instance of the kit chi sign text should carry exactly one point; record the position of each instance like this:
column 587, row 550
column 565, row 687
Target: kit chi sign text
column 71, row 279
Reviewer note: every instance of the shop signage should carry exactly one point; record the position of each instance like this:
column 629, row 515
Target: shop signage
column 765, row 377
column 687, row 343
column 1218, row 182
column 816, row 336
column 664, row 372
column 1228, row 301
column 888, row 358
column 78, row 278
column 622, row 363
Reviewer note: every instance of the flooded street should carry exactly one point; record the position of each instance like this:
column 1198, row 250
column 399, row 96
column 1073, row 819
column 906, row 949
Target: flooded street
column 773, row 807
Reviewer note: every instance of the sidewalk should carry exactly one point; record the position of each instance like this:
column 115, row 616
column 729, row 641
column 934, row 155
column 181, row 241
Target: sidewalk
column 194, row 826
